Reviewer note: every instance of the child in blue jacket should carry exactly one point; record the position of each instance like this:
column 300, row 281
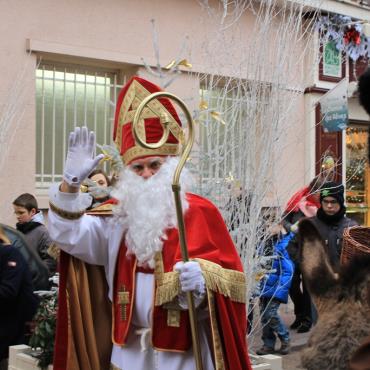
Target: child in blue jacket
column 274, row 291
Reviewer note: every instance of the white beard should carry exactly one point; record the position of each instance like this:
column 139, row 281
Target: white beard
column 146, row 209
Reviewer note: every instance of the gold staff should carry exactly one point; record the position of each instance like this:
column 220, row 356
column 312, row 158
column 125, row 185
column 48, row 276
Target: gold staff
column 176, row 192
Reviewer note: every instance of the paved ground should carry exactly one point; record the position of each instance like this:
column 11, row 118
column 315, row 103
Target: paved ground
column 298, row 341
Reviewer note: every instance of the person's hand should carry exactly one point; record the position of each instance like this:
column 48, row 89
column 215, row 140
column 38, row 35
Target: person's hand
column 80, row 160
column 191, row 278
column 294, row 227
column 96, row 191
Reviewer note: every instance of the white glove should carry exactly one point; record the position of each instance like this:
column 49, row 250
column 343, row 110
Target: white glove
column 191, row 280
column 80, row 160
column 96, row 191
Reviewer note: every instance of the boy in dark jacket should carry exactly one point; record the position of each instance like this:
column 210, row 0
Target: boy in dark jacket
column 331, row 219
column 274, row 291
column 31, row 224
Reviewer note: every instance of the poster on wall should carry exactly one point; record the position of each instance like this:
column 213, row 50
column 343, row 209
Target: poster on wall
column 334, row 108
column 332, row 61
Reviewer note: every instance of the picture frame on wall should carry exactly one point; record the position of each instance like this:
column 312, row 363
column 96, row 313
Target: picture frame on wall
column 332, row 63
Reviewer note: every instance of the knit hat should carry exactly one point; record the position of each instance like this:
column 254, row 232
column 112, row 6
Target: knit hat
column 150, row 127
column 333, row 189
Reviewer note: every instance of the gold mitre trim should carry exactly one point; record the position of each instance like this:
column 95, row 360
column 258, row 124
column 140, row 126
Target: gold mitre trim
column 138, row 151
column 135, row 94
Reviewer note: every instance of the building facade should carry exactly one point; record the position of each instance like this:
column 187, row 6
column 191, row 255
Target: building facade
column 63, row 64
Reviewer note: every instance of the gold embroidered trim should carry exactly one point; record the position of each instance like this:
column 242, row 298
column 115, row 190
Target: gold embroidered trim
column 216, row 341
column 137, row 151
column 101, row 210
column 66, row 214
column 167, row 290
column 173, row 318
column 229, row 283
column 168, row 284
column 135, row 94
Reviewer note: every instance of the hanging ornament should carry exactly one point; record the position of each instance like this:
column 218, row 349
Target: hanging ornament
column 328, row 163
column 203, row 105
column 217, row 116
column 352, row 35
column 173, row 64
column 185, row 63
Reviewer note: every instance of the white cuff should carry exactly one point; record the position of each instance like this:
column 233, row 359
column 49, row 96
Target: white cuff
column 71, row 202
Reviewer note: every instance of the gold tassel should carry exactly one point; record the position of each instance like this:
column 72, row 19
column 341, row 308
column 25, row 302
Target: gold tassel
column 229, row 283
column 168, row 288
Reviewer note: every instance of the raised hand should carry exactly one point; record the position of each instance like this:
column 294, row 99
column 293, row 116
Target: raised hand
column 81, row 159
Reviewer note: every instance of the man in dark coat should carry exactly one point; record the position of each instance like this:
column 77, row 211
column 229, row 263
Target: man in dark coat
column 331, row 219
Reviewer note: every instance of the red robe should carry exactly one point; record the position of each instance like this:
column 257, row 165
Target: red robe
column 208, row 241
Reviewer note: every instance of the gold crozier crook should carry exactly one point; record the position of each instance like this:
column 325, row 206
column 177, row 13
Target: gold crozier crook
column 176, row 192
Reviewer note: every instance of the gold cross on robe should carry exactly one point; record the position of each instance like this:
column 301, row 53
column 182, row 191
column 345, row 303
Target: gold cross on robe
column 123, row 301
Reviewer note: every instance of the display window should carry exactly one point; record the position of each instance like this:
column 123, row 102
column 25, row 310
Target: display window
column 358, row 173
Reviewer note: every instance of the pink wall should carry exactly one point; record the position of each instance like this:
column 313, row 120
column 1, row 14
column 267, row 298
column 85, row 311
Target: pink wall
column 116, row 33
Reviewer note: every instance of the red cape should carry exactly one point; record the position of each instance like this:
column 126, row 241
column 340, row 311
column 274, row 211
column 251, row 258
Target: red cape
column 208, row 239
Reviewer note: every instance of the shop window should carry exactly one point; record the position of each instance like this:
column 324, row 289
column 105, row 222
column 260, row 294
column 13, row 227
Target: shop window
column 358, row 173
column 227, row 116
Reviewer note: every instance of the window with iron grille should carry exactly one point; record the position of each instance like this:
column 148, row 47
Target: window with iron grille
column 216, row 154
column 226, row 114
column 65, row 98
column 231, row 133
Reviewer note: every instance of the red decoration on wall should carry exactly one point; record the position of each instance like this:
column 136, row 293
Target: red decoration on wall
column 352, row 35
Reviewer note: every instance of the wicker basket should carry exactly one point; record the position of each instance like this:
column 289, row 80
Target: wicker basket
column 356, row 241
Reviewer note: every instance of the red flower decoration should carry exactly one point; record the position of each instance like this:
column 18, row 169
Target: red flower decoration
column 351, row 35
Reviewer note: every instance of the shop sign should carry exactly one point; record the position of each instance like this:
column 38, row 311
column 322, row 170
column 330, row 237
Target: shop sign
column 332, row 60
column 334, row 108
